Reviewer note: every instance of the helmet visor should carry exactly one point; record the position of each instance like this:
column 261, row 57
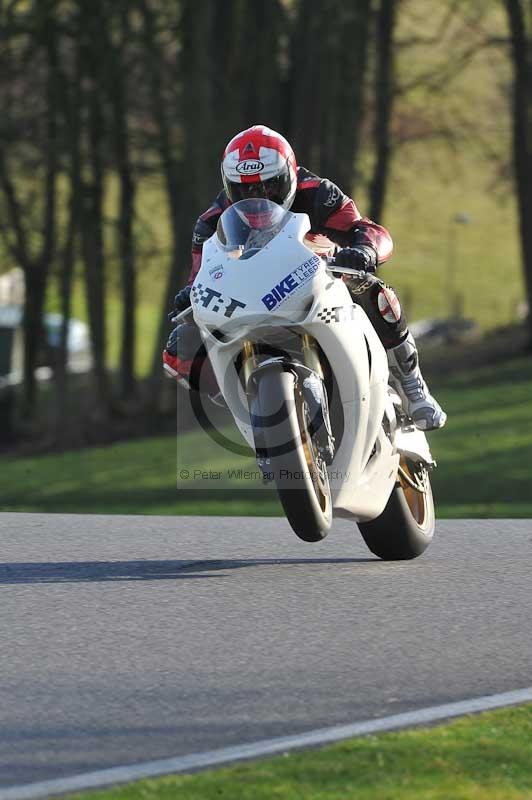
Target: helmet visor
column 249, row 225
column 275, row 189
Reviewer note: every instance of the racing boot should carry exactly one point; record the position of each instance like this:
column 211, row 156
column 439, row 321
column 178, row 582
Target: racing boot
column 406, row 379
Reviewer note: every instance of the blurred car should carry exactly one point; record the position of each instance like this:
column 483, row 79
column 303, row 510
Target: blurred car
column 444, row 331
column 79, row 357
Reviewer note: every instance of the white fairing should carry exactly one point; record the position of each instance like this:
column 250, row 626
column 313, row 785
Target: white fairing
column 285, row 284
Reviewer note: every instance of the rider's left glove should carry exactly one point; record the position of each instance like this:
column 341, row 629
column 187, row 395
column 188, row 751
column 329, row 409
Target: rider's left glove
column 182, row 347
column 182, row 299
column 360, row 256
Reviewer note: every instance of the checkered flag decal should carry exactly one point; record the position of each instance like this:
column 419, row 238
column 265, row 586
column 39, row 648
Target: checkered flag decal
column 328, row 315
column 204, row 296
column 198, row 292
column 215, row 301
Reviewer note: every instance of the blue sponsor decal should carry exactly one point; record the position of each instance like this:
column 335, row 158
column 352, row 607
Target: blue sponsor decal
column 293, row 281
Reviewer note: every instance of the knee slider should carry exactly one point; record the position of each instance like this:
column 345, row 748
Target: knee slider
column 388, row 305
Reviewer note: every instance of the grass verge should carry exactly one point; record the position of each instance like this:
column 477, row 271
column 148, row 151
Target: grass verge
column 486, row 757
column 484, row 457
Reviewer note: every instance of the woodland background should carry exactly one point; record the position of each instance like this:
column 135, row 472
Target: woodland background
column 113, row 117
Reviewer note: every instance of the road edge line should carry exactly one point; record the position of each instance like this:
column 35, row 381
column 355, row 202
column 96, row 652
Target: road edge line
column 320, row 736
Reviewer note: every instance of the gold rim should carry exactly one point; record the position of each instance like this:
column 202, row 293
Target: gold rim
column 414, row 485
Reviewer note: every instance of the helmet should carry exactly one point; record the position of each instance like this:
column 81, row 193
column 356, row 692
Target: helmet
column 259, row 162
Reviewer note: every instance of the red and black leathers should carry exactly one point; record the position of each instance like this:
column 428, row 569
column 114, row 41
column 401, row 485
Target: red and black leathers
column 330, row 211
column 334, row 215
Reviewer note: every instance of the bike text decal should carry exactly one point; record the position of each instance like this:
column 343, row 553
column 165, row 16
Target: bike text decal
column 293, row 281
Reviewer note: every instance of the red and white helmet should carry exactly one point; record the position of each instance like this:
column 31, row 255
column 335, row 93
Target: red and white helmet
column 259, row 162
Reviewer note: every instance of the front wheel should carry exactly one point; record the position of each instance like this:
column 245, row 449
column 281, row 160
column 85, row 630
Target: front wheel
column 406, row 526
column 295, row 463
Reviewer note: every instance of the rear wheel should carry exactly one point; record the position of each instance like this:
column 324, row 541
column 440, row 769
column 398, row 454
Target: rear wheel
column 406, row 526
column 295, row 463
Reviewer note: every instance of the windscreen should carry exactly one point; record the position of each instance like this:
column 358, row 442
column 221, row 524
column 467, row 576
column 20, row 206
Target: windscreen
column 247, row 226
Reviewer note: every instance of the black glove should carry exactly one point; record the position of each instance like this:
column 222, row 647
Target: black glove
column 184, row 342
column 361, row 256
column 182, row 299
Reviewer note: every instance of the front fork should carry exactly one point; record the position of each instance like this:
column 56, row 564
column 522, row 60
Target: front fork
column 311, row 357
column 249, row 362
column 310, row 375
column 316, row 397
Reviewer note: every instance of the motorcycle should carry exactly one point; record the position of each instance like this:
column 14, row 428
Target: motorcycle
column 305, row 377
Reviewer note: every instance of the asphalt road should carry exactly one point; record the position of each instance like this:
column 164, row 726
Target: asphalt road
column 126, row 639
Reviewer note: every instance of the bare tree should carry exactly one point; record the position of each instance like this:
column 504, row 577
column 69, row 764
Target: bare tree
column 520, row 22
column 71, row 99
column 329, row 56
column 91, row 39
column 163, row 99
column 246, row 48
column 18, row 155
column 384, row 97
column 117, row 91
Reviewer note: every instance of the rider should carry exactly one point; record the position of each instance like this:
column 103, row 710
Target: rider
column 259, row 162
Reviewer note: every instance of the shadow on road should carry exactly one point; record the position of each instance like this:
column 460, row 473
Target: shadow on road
column 88, row 571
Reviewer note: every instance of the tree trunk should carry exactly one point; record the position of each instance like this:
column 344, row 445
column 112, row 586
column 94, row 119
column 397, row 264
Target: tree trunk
column 171, row 165
column 245, row 68
column 20, row 252
column 201, row 151
column 328, row 78
column 340, row 147
column 520, row 21
column 36, row 267
column 229, row 80
column 71, row 102
column 261, row 101
column 193, row 178
column 34, row 334
column 92, row 189
column 62, row 417
column 117, row 90
column 384, row 97
column 305, row 100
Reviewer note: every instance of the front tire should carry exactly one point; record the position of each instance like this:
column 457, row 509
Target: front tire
column 299, row 472
column 405, row 528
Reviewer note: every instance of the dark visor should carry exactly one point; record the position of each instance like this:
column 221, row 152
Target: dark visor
column 275, row 189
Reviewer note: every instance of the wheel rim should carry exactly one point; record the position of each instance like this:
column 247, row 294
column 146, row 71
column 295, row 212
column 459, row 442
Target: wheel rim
column 316, row 466
column 413, row 480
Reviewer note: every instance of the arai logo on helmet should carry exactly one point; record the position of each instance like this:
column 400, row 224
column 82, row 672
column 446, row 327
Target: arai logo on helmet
column 249, row 167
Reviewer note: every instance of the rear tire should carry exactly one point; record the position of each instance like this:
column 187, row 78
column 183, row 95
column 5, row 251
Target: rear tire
column 299, row 473
column 405, row 528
